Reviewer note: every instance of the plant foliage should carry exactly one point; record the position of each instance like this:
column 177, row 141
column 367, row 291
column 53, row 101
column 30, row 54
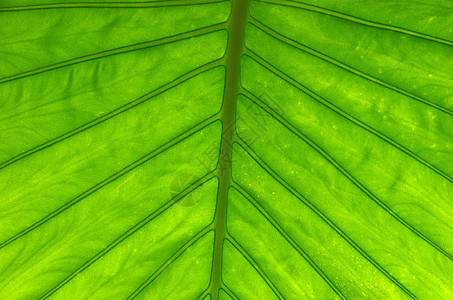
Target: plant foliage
column 203, row 149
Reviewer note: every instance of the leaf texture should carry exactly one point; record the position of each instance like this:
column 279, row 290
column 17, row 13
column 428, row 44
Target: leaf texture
column 262, row 149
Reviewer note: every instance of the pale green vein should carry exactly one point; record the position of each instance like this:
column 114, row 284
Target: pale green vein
column 204, row 294
column 147, row 4
column 360, row 21
column 116, row 112
column 229, row 292
column 288, row 238
column 174, row 257
column 339, row 111
column 120, row 50
column 252, row 262
column 321, row 215
column 131, row 231
column 351, row 178
column 112, row 178
column 344, row 66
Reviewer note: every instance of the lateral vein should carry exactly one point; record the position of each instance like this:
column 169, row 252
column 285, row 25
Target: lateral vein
column 115, row 112
column 345, row 115
column 130, row 232
column 111, row 179
column 357, row 20
column 321, row 215
column 145, row 4
column 288, row 238
column 343, row 66
column 120, row 50
column 174, row 257
column 353, row 180
column 252, row 262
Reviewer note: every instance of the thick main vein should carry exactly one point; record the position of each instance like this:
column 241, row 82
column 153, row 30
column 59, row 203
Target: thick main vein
column 236, row 31
column 360, row 21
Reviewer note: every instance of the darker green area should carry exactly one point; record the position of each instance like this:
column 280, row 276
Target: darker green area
column 236, row 29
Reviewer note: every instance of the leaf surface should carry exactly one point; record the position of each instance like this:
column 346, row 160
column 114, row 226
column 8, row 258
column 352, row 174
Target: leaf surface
column 267, row 149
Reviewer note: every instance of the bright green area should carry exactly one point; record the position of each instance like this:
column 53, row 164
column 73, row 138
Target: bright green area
column 431, row 17
column 118, row 119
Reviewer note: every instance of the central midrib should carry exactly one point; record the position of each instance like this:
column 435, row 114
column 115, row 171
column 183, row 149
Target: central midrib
column 236, row 30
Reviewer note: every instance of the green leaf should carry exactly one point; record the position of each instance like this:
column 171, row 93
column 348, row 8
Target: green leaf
column 242, row 149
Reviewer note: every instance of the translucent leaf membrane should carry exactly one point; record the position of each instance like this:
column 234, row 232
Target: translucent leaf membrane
column 393, row 176
column 64, row 170
column 115, row 138
column 239, row 271
column 81, row 231
column 310, row 229
column 38, row 38
column 88, row 178
column 36, row 110
column 429, row 17
column 360, row 157
column 15, row 3
column 224, row 295
column 195, row 263
column 283, row 264
column 410, row 126
column 415, row 65
column 353, row 240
